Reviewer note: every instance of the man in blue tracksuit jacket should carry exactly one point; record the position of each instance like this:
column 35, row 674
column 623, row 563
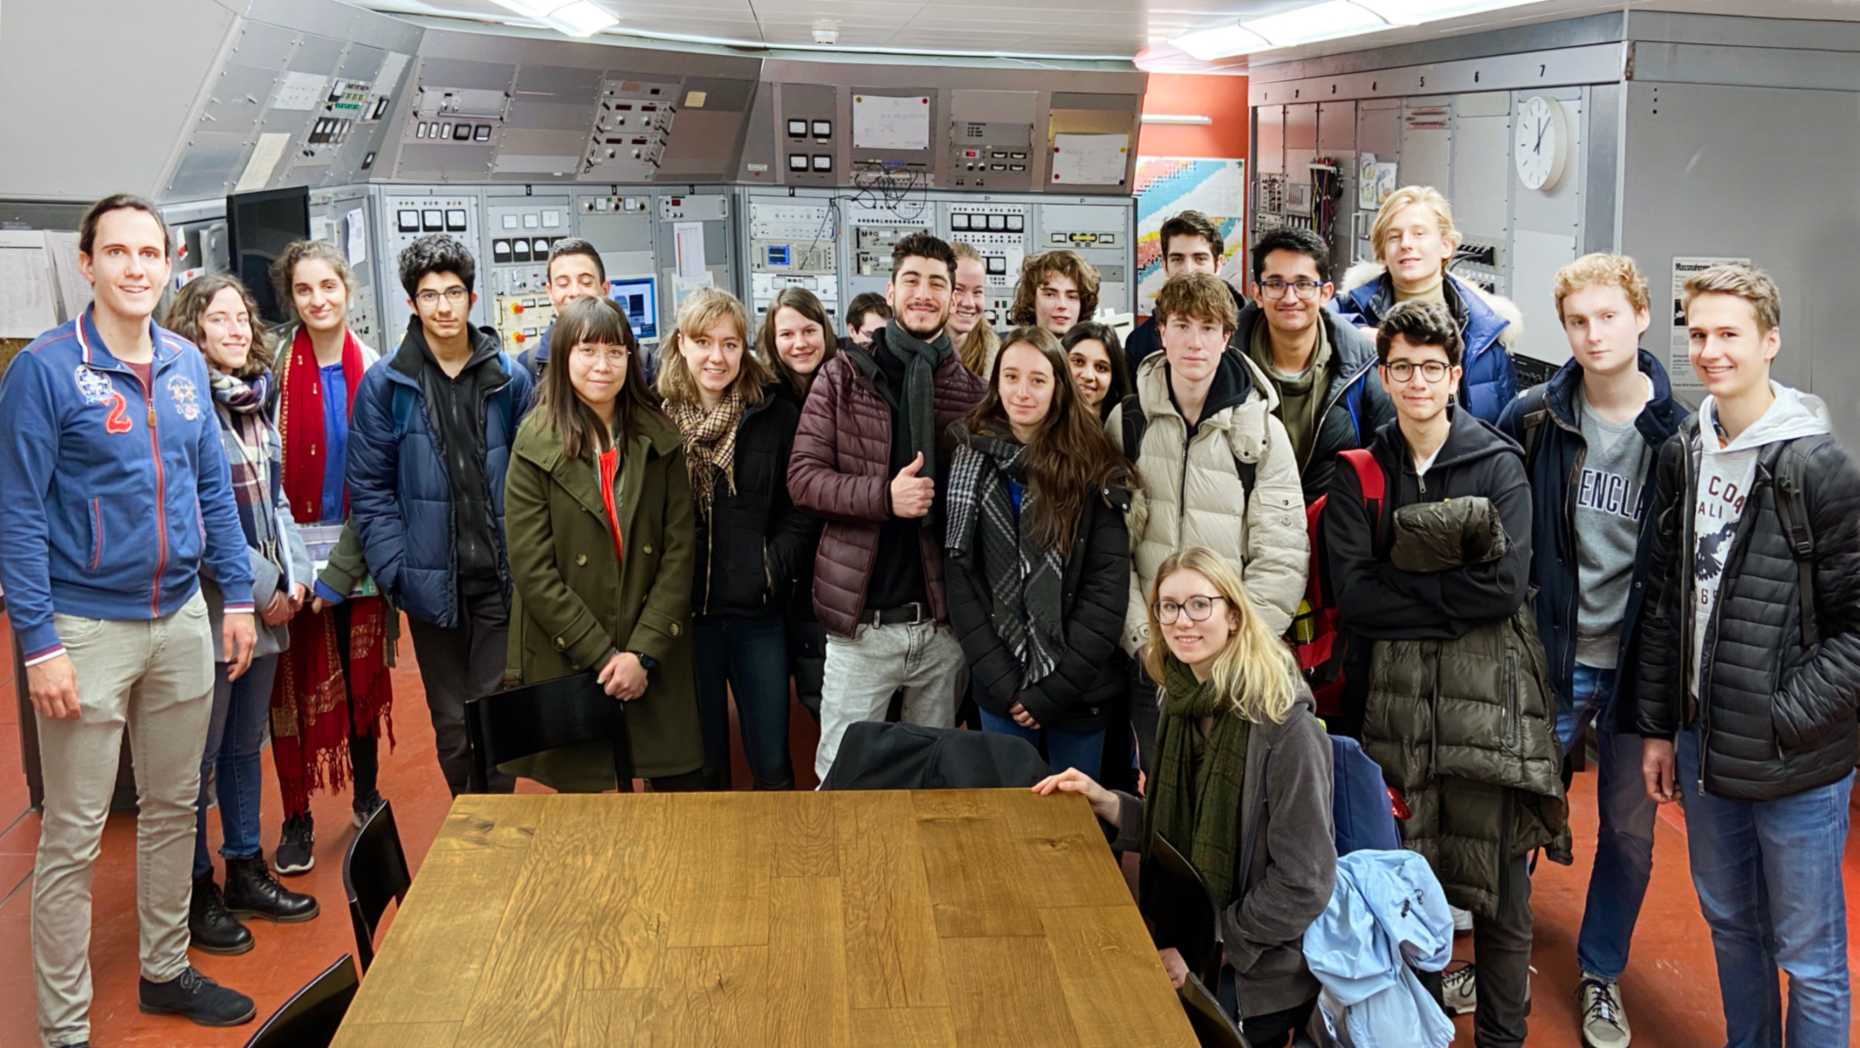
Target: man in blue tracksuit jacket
column 114, row 499
column 429, row 444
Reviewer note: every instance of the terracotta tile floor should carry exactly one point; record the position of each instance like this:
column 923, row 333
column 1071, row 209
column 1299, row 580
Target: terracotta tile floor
column 1671, row 988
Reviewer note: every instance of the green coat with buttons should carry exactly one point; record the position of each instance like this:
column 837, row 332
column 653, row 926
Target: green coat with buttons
column 573, row 606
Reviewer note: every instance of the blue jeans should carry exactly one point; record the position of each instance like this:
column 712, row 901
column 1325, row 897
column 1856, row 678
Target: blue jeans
column 747, row 658
column 1624, row 838
column 1768, row 875
column 230, row 762
column 1063, row 749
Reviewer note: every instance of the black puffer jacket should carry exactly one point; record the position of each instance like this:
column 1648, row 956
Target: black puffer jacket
column 1090, row 675
column 1355, row 405
column 1777, row 718
column 756, row 544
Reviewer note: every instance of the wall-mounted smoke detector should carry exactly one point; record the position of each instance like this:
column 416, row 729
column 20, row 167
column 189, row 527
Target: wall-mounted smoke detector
column 826, row 32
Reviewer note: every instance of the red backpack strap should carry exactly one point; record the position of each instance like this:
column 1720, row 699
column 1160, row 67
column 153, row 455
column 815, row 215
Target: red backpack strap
column 1370, row 480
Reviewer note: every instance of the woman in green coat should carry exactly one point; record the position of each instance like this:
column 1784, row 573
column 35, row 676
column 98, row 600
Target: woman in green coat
column 598, row 512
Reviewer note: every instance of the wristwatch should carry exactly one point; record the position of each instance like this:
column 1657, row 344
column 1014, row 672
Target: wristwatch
column 646, row 662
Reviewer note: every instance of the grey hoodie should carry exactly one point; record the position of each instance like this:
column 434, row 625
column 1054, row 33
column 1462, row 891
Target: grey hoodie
column 1726, row 472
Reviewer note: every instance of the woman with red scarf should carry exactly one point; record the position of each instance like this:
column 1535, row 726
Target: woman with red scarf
column 333, row 694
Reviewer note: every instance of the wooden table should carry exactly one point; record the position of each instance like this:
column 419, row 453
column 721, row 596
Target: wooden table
column 880, row 919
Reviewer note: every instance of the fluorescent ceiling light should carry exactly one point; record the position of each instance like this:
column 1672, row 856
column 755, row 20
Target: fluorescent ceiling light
column 582, row 18
column 1324, row 21
column 1220, row 42
column 1414, row 12
column 1178, row 119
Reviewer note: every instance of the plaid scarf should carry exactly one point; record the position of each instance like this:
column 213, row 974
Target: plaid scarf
column 1026, row 581
column 241, row 406
column 1195, row 795
column 710, row 445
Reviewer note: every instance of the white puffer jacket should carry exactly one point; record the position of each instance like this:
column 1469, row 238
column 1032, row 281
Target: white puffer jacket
column 1193, row 496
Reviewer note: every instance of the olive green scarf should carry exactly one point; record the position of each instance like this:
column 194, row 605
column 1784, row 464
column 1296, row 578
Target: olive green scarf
column 1195, row 797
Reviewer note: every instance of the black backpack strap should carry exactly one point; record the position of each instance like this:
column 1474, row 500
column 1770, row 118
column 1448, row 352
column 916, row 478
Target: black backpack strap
column 1792, row 513
column 1533, row 414
column 1133, row 421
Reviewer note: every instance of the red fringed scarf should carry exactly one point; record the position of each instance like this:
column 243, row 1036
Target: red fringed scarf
column 309, row 703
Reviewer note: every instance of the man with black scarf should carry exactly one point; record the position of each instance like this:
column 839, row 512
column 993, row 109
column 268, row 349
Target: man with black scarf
column 869, row 457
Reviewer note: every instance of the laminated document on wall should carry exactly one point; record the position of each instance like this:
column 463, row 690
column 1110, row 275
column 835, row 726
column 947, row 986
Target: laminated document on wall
column 73, row 290
column 300, row 91
column 1090, row 160
column 886, row 122
column 355, row 236
column 688, row 244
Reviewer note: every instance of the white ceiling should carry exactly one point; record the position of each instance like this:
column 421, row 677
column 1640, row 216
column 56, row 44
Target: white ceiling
column 1108, row 29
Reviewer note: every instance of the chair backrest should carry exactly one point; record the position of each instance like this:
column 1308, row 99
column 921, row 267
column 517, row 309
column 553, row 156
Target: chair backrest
column 374, row 871
column 1213, row 1027
column 546, row 715
column 878, row 756
column 1362, row 812
column 310, row 1018
column 1180, row 910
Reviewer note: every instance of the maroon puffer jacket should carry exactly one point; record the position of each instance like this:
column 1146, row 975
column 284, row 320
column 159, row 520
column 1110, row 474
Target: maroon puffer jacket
column 841, row 470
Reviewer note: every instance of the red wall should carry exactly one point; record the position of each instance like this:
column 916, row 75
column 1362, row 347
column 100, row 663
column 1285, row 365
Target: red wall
column 1221, row 97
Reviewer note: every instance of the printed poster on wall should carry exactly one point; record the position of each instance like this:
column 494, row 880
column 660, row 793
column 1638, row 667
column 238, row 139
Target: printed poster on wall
column 1678, row 362
column 1166, row 185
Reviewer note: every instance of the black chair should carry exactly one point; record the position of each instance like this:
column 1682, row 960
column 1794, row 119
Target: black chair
column 1211, row 1023
column 1180, row 911
column 878, row 756
column 548, row 715
column 374, row 871
column 310, row 1018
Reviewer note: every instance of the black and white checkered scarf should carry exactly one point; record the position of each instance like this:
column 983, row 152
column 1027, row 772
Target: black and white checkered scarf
column 1025, row 580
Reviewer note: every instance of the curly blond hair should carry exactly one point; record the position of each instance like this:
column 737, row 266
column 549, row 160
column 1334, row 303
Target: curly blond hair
column 1034, row 271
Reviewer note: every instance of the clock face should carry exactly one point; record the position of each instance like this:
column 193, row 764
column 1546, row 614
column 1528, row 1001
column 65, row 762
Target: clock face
column 1543, row 143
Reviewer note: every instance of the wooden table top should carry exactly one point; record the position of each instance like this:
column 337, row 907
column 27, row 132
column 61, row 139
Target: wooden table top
column 857, row 918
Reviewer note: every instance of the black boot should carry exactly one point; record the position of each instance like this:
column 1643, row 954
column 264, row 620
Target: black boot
column 209, row 926
column 250, row 892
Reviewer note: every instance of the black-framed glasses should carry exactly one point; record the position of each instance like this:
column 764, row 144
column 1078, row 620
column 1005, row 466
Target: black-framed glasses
column 1197, row 607
column 1431, row 370
column 1274, row 287
column 430, row 298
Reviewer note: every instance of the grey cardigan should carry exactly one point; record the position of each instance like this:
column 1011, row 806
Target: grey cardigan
column 1287, row 859
column 275, row 529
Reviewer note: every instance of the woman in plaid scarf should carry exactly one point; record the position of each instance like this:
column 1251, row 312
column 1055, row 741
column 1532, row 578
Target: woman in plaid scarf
column 752, row 543
column 1039, row 558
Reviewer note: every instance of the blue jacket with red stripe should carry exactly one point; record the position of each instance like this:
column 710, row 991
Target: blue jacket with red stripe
column 112, row 493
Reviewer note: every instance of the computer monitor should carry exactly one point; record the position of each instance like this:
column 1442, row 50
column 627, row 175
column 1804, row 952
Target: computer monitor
column 259, row 226
column 638, row 298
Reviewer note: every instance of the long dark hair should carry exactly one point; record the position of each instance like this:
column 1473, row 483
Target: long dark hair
column 1070, row 460
column 1092, row 331
column 806, row 303
column 583, row 434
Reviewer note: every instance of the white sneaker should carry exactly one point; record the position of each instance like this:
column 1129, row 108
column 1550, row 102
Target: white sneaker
column 1459, row 989
column 1604, row 1020
column 1462, row 920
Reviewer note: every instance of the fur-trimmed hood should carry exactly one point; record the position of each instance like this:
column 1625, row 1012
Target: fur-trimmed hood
column 1363, row 274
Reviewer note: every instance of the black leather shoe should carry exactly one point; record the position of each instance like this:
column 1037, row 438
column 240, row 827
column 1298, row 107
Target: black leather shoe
column 193, row 996
column 209, row 926
column 250, row 892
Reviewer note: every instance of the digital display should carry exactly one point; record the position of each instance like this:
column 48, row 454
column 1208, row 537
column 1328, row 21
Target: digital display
column 259, row 226
column 638, row 298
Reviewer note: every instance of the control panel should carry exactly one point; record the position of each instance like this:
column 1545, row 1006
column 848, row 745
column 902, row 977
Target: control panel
column 457, row 115
column 405, row 218
column 632, row 122
column 341, row 218
column 522, row 230
column 808, row 135
column 694, row 248
column 1102, row 234
column 872, row 231
column 791, row 244
column 1480, row 262
column 991, row 155
column 998, row 232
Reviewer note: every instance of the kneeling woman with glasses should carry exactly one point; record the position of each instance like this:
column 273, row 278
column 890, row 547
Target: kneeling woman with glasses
column 1242, row 788
column 597, row 506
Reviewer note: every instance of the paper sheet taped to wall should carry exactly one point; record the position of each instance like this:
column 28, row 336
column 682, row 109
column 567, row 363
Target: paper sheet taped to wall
column 30, row 305
column 1092, row 160
column 265, row 157
column 885, row 122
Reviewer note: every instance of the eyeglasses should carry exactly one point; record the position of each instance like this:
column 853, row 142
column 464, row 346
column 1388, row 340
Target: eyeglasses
column 595, row 351
column 1276, row 288
column 1198, row 608
column 1433, row 370
column 430, row 298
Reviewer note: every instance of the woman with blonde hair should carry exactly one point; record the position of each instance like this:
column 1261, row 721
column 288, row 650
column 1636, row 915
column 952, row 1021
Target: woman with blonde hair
column 752, row 543
column 1415, row 240
column 1242, row 788
column 974, row 337
column 218, row 314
